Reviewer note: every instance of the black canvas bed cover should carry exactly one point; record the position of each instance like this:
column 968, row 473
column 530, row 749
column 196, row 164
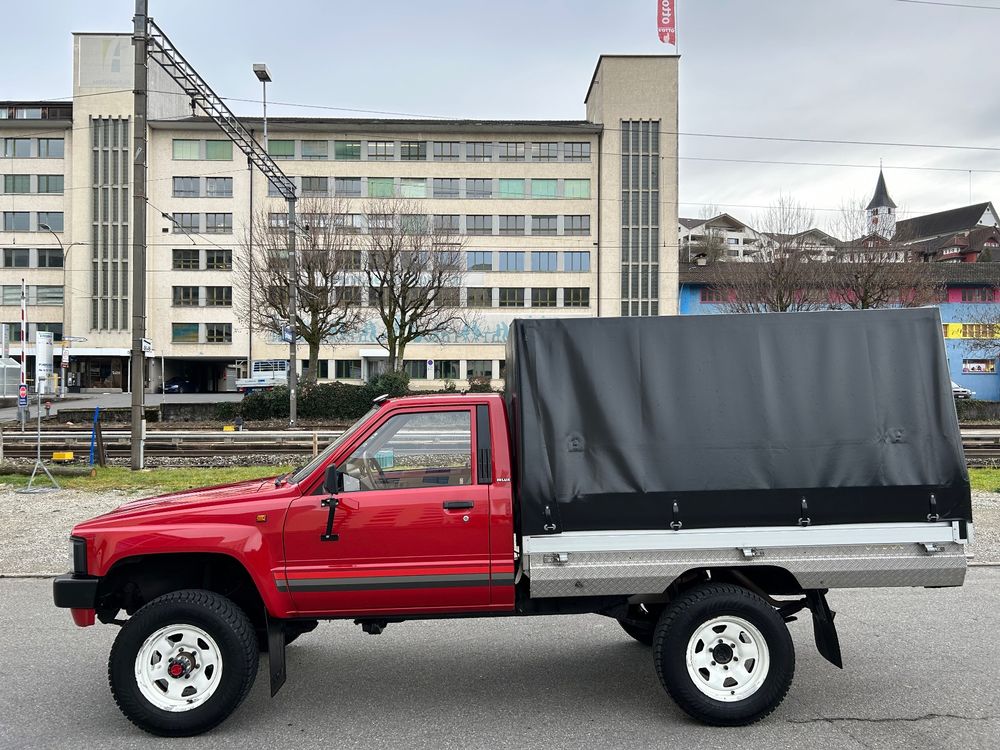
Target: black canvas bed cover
column 733, row 420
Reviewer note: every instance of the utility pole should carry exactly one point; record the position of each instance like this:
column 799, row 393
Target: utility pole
column 138, row 228
column 293, row 314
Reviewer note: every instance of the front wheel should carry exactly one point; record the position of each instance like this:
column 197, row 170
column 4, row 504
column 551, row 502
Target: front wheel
column 183, row 663
column 724, row 655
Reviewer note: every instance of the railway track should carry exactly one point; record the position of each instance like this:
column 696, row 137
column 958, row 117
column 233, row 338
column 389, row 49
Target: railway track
column 980, row 444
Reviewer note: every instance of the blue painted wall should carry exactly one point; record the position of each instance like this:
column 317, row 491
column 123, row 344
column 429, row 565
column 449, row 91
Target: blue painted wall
column 985, row 385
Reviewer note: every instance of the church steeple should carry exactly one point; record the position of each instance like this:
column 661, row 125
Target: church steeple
column 881, row 210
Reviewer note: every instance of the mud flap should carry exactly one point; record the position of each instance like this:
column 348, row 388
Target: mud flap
column 276, row 653
column 827, row 642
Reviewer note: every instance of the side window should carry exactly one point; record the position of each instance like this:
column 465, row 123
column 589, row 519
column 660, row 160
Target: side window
column 425, row 449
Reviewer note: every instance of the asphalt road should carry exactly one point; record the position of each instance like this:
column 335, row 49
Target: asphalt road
column 923, row 671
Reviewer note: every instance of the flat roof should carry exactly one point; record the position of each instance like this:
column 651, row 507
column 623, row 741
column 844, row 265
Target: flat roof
column 593, row 78
column 387, row 125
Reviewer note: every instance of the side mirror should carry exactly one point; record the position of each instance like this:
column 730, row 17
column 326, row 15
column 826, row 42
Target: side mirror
column 333, row 481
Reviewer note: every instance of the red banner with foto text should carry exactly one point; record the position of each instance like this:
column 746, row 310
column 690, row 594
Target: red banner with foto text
column 666, row 21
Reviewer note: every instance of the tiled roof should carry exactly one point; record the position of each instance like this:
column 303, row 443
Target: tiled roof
column 881, row 197
column 943, row 222
column 944, row 273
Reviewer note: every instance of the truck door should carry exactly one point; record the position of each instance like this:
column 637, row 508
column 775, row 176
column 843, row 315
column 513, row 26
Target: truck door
column 410, row 529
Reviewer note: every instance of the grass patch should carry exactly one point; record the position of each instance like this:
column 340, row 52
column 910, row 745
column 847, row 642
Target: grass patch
column 154, row 480
column 986, row 480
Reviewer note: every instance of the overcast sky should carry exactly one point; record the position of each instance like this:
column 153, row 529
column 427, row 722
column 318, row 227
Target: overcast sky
column 868, row 70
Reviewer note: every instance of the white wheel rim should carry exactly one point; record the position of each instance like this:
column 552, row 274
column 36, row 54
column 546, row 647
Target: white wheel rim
column 727, row 659
column 178, row 667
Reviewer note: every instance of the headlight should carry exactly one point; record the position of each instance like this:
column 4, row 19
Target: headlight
column 78, row 551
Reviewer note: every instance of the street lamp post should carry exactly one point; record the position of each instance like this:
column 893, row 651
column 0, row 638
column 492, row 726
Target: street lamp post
column 264, row 76
column 65, row 323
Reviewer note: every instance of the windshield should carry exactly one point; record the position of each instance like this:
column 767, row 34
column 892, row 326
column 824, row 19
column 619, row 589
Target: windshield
column 310, row 467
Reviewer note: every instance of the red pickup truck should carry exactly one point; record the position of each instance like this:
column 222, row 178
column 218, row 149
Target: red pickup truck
column 545, row 501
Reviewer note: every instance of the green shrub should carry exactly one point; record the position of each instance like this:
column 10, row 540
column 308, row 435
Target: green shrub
column 226, row 411
column 394, row 383
column 974, row 410
column 272, row 404
column 480, row 384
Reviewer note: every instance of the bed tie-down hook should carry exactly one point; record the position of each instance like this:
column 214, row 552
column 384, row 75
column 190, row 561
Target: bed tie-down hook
column 804, row 519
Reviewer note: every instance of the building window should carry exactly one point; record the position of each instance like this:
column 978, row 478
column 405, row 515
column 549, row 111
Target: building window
column 511, row 260
column 511, row 188
column 445, row 187
column 476, row 151
column 480, row 260
column 349, row 295
column 576, row 152
column 50, row 183
column 543, row 297
column 416, row 369
column 186, row 260
column 576, row 188
column 186, row 187
column 479, row 368
column 11, row 296
column 544, row 261
column 186, row 223
column 977, row 294
column 446, row 222
column 543, row 225
column 980, row 330
column 979, row 366
column 544, row 151
column 315, row 150
column 219, row 150
column 511, row 296
column 347, row 150
column 381, row 150
column 16, row 221
column 577, row 261
column 413, row 150
column 218, row 333
column 15, row 257
column 478, row 224
column 413, row 187
column 218, row 223
column 281, row 149
column 576, row 296
column 576, row 225
column 347, row 187
column 219, row 187
column 51, row 219
column 315, row 186
column 478, row 296
column 347, row 369
column 713, row 296
column 446, row 369
column 186, row 296
column 219, row 296
column 511, row 152
column 479, row 188
column 50, row 257
column 381, row 187
column 218, row 260
column 184, row 333
column 51, row 148
column 48, row 295
column 512, row 224
column 17, row 183
column 186, row 150
column 544, row 188
column 446, row 150
column 322, row 368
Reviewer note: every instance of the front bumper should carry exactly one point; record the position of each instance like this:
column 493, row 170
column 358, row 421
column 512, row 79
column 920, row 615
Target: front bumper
column 75, row 591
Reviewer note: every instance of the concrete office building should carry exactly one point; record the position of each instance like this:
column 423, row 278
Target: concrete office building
column 560, row 218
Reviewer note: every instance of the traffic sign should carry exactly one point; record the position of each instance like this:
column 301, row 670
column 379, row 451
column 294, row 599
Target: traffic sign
column 147, row 345
column 22, row 395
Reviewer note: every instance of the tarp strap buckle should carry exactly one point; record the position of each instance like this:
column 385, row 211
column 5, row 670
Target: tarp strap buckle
column 933, row 516
column 676, row 524
column 804, row 519
column 549, row 525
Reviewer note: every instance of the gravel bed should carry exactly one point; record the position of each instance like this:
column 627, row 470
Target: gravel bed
column 34, row 537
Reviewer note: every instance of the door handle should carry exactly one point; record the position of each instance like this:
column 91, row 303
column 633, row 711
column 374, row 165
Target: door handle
column 457, row 504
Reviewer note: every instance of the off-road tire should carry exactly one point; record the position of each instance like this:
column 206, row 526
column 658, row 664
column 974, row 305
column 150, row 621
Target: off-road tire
column 224, row 622
column 685, row 616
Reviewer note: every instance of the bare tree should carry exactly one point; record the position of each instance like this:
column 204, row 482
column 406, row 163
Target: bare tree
column 414, row 271
column 327, row 298
column 787, row 277
column 875, row 271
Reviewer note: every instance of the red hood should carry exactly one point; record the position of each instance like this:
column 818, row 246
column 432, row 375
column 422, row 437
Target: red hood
column 233, row 491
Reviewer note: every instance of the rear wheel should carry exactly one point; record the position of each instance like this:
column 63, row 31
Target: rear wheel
column 183, row 663
column 724, row 655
